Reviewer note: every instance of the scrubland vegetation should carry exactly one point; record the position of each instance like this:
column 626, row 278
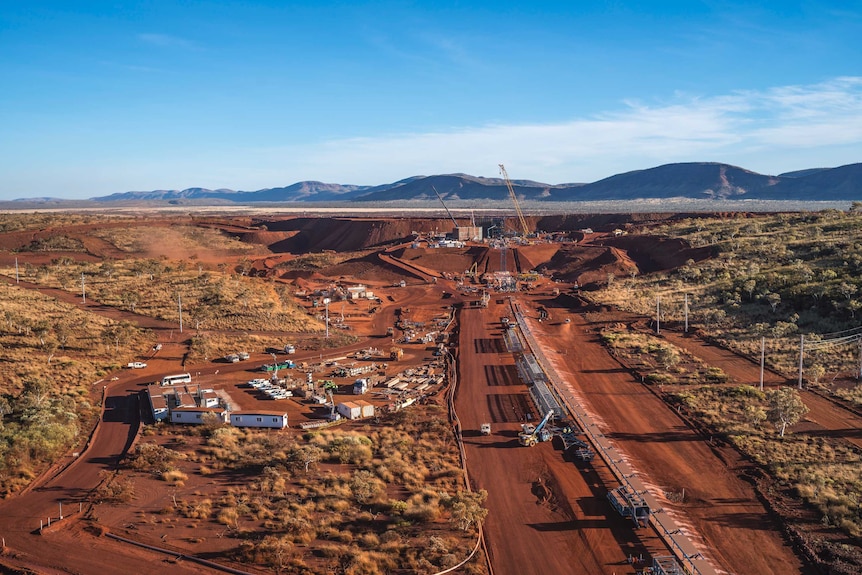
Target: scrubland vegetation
column 52, row 355
column 211, row 299
column 374, row 499
column 776, row 277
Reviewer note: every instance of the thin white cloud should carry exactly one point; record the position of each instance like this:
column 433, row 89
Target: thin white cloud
column 167, row 41
column 752, row 129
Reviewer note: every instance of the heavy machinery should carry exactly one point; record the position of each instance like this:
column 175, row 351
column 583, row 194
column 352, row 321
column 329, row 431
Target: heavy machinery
column 473, row 271
column 396, row 353
column 521, row 221
column 445, row 207
column 532, row 435
column 328, row 386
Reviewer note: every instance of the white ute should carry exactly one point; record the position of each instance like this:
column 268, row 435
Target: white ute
column 137, row 365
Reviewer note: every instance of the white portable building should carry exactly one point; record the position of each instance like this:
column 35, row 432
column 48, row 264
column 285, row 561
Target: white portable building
column 270, row 419
column 349, row 410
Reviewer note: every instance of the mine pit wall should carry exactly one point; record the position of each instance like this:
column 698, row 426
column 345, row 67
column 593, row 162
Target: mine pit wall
column 348, row 234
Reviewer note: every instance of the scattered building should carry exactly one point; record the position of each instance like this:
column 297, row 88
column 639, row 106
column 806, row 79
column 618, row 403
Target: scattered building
column 195, row 415
column 349, row 410
column 268, row 419
column 360, row 386
column 468, row 233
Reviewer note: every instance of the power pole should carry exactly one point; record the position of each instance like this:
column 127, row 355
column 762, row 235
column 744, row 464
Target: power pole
column 326, row 305
column 685, row 307
column 16, row 270
column 762, row 359
column 801, row 352
column 83, row 288
column 180, row 306
column 657, row 315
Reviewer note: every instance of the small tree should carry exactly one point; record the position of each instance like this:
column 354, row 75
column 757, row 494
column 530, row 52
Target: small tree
column 785, row 408
column 815, row 372
column 365, row 487
column 774, row 300
column 667, row 356
column 466, row 508
column 304, row 457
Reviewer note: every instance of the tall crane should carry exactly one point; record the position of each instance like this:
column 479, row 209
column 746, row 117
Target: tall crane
column 524, row 229
column 451, row 217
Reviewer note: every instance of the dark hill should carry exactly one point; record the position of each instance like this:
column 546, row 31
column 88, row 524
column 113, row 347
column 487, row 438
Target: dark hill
column 692, row 180
column 455, row 187
column 699, row 180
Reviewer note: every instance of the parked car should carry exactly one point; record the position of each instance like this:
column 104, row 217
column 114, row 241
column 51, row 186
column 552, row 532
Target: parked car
column 137, row 365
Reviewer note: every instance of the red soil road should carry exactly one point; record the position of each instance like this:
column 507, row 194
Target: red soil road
column 67, row 549
column 575, row 531
column 738, row 535
column 824, row 414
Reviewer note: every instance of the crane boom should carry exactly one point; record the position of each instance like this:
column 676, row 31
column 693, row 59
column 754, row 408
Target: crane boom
column 524, row 229
column 439, row 197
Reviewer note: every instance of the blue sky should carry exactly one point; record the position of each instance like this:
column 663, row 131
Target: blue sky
column 104, row 97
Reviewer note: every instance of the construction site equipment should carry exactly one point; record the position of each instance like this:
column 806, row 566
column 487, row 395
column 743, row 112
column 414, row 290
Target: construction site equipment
column 521, row 221
column 630, row 503
column 396, row 353
column 328, row 386
column 445, row 207
column 485, row 429
column 474, row 269
column 532, row 435
column 575, row 447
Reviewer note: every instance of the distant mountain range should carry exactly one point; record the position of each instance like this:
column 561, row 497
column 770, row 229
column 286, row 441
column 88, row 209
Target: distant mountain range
column 700, row 180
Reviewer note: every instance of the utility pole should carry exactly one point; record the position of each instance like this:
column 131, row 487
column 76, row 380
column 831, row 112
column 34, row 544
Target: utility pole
column 83, row 288
column 685, row 308
column 180, row 305
column 326, row 305
column 762, row 359
column 16, row 270
column 801, row 352
column 657, row 315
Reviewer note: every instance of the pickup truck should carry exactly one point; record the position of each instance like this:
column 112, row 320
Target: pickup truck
column 136, row 365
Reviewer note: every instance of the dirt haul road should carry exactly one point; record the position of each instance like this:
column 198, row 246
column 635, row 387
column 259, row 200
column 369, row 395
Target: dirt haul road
column 546, row 515
column 738, row 535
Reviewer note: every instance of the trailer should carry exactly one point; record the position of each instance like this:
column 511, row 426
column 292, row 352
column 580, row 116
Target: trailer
column 269, row 419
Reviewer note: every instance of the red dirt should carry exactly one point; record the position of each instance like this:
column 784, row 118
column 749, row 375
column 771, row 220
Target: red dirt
column 546, row 515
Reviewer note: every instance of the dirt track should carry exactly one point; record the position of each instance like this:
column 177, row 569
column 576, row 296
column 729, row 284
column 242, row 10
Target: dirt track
column 547, row 515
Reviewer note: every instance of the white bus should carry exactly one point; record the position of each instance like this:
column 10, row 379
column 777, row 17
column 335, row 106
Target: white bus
column 175, row 379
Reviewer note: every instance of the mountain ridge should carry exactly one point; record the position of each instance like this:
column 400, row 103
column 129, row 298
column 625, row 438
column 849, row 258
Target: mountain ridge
column 692, row 180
